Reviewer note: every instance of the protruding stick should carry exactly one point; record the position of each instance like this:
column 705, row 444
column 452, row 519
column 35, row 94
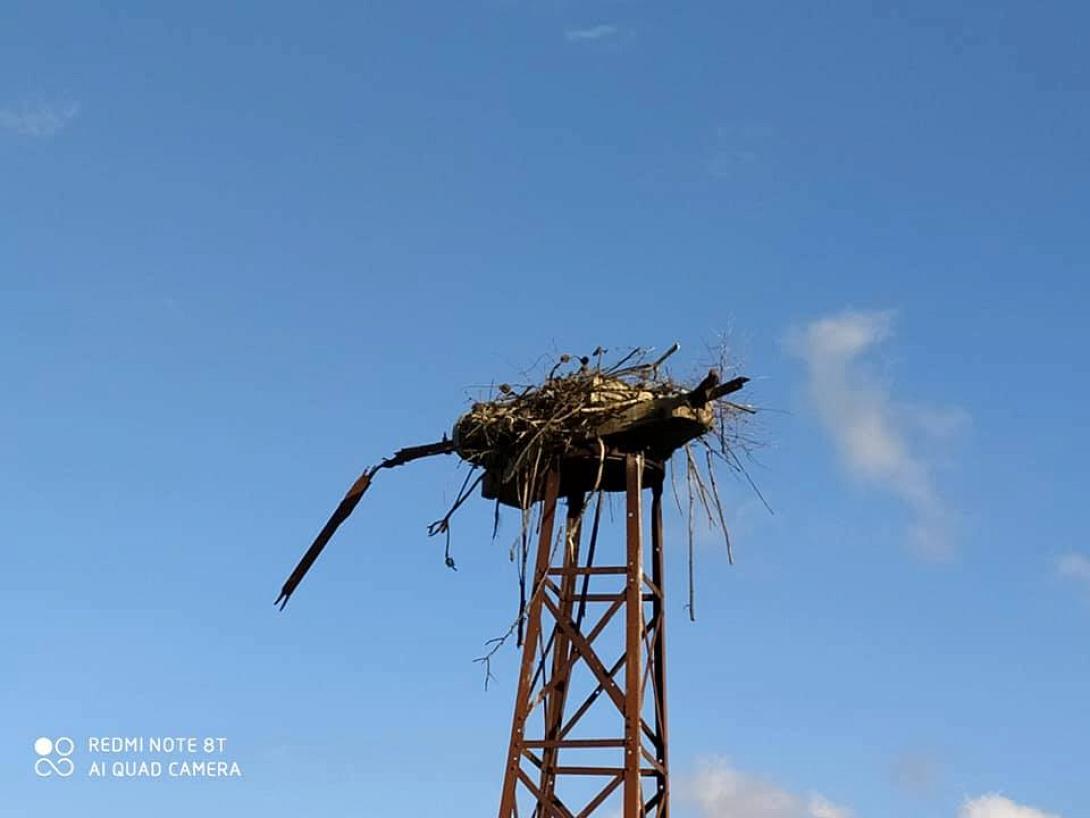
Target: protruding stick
column 348, row 505
column 733, row 385
column 662, row 358
column 710, row 389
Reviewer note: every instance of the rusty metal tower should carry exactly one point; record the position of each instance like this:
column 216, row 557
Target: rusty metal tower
column 589, row 731
column 599, row 614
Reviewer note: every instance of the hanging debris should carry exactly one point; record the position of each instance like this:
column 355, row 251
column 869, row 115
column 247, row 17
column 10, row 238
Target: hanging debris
column 585, row 416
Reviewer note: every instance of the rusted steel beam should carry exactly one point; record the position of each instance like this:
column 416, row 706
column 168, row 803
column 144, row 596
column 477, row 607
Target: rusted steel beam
column 545, row 809
column 589, row 770
column 651, row 584
column 595, row 802
column 590, row 700
column 561, row 676
column 633, row 792
column 661, row 799
column 586, row 652
column 575, row 743
column 617, row 597
column 561, row 670
column 514, row 771
column 641, row 771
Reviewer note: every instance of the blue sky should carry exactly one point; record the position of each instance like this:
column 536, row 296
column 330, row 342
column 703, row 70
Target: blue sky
column 245, row 251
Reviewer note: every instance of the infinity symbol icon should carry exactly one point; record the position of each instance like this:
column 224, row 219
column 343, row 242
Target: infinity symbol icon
column 62, row 767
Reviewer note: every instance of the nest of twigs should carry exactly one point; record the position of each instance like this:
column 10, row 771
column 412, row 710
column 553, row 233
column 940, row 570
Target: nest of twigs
column 585, row 411
column 583, row 416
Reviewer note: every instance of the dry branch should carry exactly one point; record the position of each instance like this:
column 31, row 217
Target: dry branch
column 348, row 505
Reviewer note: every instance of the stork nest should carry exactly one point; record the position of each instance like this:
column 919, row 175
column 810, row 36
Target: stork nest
column 584, row 413
column 582, row 410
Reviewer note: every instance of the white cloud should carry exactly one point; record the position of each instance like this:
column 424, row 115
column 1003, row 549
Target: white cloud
column 599, row 32
column 720, row 791
column 38, row 119
column 996, row 806
column 1076, row 566
column 870, row 429
column 822, row 808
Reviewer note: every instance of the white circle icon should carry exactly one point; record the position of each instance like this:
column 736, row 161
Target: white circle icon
column 53, row 757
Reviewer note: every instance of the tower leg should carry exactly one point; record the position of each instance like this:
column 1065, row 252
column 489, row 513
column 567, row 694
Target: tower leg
column 633, row 676
column 556, row 698
column 571, row 605
column 533, row 633
column 661, row 799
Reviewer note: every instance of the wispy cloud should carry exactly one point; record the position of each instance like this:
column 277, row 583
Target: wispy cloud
column 719, row 790
column 873, row 432
column 39, row 119
column 996, row 806
column 1074, row 566
column 599, row 32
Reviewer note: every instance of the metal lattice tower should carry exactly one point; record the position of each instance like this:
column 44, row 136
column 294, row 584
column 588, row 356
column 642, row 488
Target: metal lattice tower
column 589, row 732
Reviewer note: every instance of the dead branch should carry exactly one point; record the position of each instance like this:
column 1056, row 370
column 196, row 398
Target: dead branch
column 348, row 505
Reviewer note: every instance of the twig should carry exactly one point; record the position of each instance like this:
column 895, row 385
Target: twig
column 719, row 506
column 692, row 582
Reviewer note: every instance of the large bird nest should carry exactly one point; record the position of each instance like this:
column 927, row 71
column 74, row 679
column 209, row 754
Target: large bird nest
column 585, row 412
column 582, row 418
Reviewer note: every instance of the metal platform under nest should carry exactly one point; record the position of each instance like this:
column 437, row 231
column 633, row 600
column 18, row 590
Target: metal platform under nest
column 654, row 428
column 579, row 474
